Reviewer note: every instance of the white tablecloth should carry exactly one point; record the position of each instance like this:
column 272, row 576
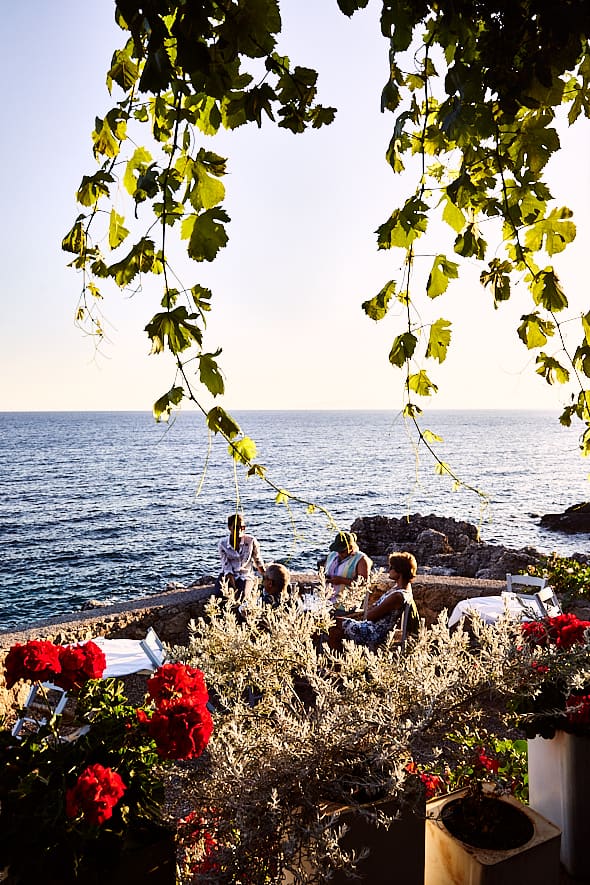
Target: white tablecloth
column 123, row 656
column 489, row 608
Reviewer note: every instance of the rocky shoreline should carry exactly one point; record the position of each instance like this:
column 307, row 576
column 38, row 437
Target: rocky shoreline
column 444, row 546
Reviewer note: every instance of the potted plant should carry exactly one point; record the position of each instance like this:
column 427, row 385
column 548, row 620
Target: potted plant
column 82, row 800
column 553, row 703
column 478, row 830
column 306, row 739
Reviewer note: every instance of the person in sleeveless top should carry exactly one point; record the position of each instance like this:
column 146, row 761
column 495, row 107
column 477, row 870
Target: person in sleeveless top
column 345, row 563
column 384, row 614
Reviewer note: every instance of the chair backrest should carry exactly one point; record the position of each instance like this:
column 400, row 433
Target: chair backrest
column 550, row 602
column 153, row 647
column 514, row 582
column 36, row 710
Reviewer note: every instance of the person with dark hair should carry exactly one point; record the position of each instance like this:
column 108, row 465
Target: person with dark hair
column 382, row 616
column 240, row 555
column 345, row 562
column 275, row 583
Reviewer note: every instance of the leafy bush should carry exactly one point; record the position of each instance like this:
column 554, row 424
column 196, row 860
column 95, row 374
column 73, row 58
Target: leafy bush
column 568, row 577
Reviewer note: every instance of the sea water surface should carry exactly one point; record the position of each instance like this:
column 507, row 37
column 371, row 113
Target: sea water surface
column 101, row 505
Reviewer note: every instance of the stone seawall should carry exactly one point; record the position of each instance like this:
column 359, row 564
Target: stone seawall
column 169, row 614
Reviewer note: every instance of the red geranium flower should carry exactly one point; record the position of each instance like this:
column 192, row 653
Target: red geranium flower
column 35, row 661
column 95, row 794
column 181, row 731
column 79, row 663
column 482, row 760
column 172, row 683
column 577, row 708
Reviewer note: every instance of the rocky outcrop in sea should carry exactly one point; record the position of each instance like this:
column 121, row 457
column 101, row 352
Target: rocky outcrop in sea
column 442, row 546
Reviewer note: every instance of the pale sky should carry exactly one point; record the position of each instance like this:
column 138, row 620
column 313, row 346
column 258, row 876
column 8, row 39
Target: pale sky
column 302, row 255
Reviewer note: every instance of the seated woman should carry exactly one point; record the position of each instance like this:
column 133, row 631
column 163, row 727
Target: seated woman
column 345, row 563
column 383, row 615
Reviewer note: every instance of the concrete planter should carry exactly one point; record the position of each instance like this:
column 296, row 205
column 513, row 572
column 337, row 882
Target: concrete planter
column 559, row 788
column 449, row 861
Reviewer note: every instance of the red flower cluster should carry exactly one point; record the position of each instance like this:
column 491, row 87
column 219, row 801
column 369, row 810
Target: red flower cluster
column 577, row 708
column 485, row 762
column 564, row 631
column 69, row 666
column 36, row 660
column 193, row 833
column 432, row 782
column 181, row 724
column 175, row 682
column 95, row 794
column 79, row 663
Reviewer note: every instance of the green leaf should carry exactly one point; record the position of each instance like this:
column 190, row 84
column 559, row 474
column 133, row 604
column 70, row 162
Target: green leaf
column 208, row 191
column 453, row 216
column 348, row 7
column 117, row 231
column 219, row 421
column 163, row 406
column 411, row 410
column 93, row 187
column 498, row 278
column 534, row 330
column 210, row 373
column 553, row 232
column 439, row 340
column 586, row 326
column 141, row 259
column 421, row 384
column 75, row 239
column 431, row 437
column 282, row 497
column 378, row 306
column 402, row 349
column 207, row 234
column 404, row 225
column 442, row 469
column 106, row 142
column 551, row 370
column 139, row 162
column 546, row 290
column 470, row 244
column 581, row 359
column 442, row 272
column 124, row 71
column 173, row 327
column 243, row 450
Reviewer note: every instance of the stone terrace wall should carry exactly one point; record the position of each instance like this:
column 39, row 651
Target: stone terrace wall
column 169, row 614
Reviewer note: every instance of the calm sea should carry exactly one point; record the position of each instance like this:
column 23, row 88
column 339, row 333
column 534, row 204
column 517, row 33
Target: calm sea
column 111, row 506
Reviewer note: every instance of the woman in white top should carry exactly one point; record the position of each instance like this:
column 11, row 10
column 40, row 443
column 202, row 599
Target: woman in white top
column 239, row 554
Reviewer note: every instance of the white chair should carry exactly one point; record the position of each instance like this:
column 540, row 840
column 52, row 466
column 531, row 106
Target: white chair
column 126, row 656
column 543, row 599
column 36, row 709
column 514, row 583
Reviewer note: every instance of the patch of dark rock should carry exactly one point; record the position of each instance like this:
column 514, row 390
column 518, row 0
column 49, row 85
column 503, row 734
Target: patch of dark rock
column 574, row 520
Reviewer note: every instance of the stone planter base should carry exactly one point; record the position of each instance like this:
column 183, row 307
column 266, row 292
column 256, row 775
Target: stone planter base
column 452, row 862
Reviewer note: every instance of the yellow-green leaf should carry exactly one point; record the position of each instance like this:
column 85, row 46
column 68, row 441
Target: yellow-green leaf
column 117, row 231
column 439, row 340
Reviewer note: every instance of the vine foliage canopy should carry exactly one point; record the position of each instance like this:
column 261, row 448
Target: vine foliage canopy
column 474, row 88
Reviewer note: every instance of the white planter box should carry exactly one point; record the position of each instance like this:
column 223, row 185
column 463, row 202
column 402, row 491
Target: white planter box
column 559, row 787
column 449, row 861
